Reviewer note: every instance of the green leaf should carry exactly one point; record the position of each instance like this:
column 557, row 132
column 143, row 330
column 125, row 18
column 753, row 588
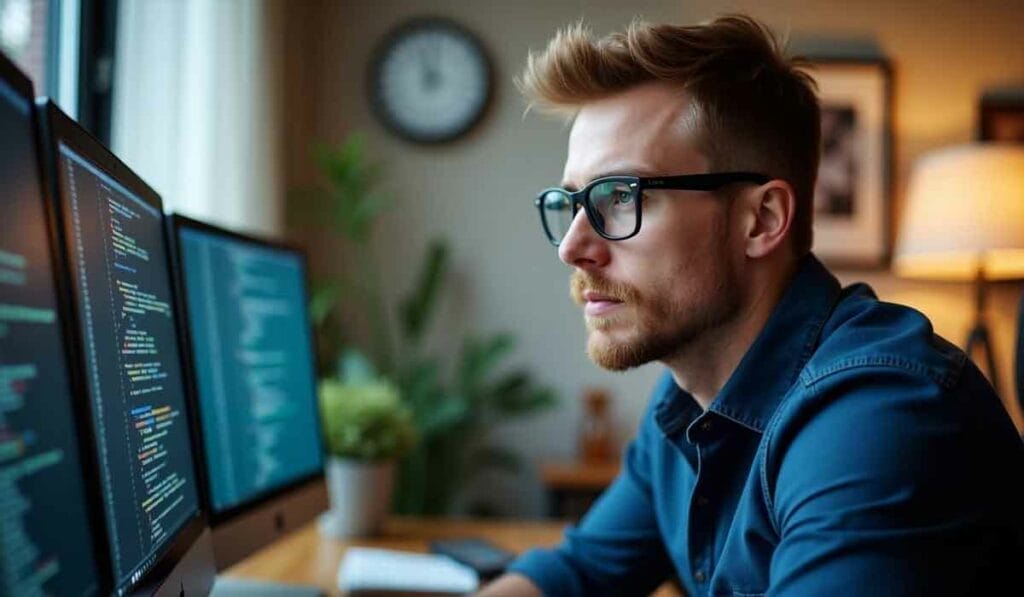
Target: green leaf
column 421, row 384
column 516, row 394
column 480, row 357
column 416, row 310
column 446, row 416
column 362, row 214
column 349, row 200
column 322, row 301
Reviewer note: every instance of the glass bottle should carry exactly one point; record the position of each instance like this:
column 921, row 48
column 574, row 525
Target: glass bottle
column 596, row 427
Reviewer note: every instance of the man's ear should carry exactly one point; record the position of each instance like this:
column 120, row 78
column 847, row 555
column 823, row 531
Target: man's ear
column 769, row 211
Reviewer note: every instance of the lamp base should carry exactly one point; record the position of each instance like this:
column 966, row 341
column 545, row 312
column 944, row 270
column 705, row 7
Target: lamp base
column 979, row 338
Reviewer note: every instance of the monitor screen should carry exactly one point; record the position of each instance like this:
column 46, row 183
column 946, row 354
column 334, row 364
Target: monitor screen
column 45, row 538
column 119, row 264
column 253, row 360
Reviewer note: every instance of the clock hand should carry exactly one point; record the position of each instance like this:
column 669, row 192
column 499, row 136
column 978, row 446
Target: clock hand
column 426, row 82
column 434, row 57
column 429, row 57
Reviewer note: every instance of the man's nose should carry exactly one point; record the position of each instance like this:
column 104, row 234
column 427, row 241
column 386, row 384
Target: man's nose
column 582, row 246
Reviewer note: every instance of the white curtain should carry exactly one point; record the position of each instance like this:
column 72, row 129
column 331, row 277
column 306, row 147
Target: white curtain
column 196, row 110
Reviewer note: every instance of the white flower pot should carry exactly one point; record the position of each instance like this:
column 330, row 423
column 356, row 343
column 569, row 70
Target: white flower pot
column 360, row 493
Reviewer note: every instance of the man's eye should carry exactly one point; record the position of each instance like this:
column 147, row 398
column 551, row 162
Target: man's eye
column 624, row 198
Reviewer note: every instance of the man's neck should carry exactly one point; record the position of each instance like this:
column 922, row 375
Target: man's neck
column 704, row 366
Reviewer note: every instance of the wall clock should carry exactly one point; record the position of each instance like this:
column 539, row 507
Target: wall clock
column 430, row 80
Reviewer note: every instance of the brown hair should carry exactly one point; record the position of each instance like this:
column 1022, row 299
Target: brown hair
column 755, row 109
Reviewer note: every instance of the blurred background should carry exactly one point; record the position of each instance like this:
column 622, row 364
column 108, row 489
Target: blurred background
column 273, row 117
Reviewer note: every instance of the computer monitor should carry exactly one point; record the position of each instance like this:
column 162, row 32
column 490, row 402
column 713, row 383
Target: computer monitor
column 112, row 225
column 46, row 535
column 247, row 319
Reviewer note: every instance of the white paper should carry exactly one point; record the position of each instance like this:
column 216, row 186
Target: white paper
column 369, row 569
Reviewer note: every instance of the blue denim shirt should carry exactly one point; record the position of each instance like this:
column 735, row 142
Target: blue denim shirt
column 852, row 452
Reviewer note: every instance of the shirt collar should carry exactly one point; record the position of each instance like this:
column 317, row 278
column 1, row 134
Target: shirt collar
column 772, row 363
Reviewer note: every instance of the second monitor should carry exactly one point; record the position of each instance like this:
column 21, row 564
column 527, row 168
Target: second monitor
column 127, row 340
column 254, row 373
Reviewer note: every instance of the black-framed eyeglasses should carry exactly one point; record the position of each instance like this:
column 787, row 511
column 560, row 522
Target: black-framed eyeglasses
column 614, row 203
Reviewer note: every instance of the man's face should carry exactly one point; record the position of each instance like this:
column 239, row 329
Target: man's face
column 651, row 296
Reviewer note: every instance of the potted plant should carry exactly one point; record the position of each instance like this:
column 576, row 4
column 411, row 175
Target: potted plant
column 455, row 398
column 366, row 428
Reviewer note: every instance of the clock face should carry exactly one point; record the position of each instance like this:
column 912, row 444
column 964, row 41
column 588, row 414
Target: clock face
column 431, row 81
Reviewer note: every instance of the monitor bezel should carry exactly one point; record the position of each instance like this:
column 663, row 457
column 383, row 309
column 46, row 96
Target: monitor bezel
column 10, row 72
column 59, row 127
column 177, row 223
column 22, row 85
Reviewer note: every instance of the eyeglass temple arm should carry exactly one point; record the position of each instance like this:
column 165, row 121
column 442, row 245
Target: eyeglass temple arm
column 703, row 182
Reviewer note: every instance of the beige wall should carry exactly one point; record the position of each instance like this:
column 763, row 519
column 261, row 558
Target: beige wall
column 478, row 191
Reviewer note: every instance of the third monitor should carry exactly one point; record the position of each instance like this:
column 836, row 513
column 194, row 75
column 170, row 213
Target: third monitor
column 254, row 375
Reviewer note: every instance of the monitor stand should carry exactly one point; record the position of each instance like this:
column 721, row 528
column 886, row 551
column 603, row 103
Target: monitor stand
column 238, row 587
column 239, row 537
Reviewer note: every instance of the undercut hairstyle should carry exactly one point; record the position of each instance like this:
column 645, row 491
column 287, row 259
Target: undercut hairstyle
column 753, row 108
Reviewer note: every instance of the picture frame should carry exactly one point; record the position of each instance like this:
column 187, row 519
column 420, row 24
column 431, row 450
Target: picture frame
column 1019, row 358
column 1001, row 116
column 853, row 194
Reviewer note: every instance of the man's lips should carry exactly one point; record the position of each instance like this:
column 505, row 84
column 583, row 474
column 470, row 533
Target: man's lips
column 598, row 304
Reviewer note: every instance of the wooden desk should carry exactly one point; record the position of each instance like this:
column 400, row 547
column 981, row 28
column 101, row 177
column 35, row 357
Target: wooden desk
column 305, row 557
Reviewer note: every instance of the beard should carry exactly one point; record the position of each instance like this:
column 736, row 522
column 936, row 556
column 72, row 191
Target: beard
column 656, row 323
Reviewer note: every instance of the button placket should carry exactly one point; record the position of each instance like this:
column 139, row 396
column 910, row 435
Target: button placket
column 700, row 523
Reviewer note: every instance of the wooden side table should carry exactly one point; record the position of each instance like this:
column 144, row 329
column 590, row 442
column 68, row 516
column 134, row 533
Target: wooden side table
column 572, row 487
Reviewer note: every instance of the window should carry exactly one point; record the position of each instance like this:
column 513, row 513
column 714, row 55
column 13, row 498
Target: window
column 24, row 36
column 66, row 48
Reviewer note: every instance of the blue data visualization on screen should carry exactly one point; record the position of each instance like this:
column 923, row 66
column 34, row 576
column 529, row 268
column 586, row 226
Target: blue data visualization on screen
column 45, row 540
column 132, row 361
column 254, row 367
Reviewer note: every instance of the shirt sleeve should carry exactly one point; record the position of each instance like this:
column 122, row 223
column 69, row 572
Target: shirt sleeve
column 617, row 547
column 877, row 491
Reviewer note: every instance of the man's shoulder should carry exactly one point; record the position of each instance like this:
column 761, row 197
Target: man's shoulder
column 884, row 398
column 865, row 336
column 880, row 375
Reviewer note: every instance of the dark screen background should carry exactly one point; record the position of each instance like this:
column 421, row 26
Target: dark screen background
column 45, row 541
column 134, row 376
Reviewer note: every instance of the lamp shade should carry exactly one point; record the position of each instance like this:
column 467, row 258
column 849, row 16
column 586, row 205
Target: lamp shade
column 964, row 215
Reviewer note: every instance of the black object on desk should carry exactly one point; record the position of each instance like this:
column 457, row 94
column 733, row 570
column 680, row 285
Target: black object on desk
column 487, row 559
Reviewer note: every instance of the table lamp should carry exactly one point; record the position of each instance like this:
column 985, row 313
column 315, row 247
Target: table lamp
column 964, row 221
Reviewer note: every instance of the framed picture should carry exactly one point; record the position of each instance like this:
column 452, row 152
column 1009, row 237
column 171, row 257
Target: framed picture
column 1001, row 116
column 852, row 195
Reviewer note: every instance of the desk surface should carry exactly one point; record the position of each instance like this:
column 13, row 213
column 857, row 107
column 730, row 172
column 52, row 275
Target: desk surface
column 306, row 557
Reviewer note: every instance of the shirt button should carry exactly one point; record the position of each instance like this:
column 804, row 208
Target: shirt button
column 702, row 501
column 706, row 426
column 698, row 576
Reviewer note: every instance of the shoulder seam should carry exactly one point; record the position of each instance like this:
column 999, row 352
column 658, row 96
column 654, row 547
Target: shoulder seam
column 945, row 379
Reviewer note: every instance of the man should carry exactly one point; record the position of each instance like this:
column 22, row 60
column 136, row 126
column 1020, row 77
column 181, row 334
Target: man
column 806, row 439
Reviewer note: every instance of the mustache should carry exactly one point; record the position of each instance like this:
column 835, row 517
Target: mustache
column 580, row 282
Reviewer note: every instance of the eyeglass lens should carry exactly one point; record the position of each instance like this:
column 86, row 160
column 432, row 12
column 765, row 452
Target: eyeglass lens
column 612, row 205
